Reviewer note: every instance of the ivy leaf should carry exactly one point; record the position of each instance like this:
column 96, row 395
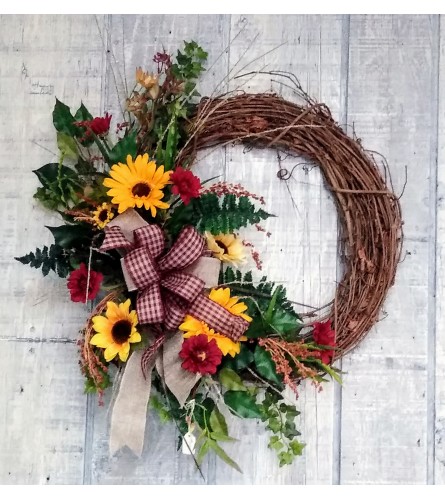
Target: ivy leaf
column 265, row 365
column 297, row 447
column 67, row 146
column 126, row 146
column 231, row 380
column 70, row 236
column 243, row 404
column 223, row 455
column 286, row 458
column 63, row 120
column 218, row 422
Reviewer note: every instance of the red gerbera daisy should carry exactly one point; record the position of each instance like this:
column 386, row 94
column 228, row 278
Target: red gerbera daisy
column 185, row 184
column 200, row 355
column 100, row 125
column 77, row 284
column 324, row 335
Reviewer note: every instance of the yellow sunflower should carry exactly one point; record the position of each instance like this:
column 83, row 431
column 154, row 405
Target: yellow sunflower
column 227, row 248
column 192, row 326
column 222, row 297
column 138, row 183
column 116, row 331
column 102, row 215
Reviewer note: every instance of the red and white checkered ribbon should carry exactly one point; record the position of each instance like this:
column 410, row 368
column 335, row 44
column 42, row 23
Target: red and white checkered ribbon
column 166, row 293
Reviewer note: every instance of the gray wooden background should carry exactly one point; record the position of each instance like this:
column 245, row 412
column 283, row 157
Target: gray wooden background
column 382, row 76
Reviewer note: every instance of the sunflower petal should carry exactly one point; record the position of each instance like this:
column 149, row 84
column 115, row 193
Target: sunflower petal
column 111, row 351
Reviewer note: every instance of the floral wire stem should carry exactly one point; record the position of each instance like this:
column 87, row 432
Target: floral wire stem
column 88, row 274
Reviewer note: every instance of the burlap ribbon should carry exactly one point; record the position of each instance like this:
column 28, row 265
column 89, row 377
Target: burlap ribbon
column 162, row 280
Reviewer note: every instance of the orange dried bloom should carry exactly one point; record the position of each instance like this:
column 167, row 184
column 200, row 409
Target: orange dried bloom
column 281, row 351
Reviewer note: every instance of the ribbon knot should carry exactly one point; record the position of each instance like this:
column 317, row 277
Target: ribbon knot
column 166, row 293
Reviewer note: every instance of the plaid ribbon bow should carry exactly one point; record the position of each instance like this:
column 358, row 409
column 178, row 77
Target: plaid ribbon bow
column 166, row 292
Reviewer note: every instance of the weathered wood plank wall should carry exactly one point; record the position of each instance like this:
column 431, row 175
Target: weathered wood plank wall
column 383, row 76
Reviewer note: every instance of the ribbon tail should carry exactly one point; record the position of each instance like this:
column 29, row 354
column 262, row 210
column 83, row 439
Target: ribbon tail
column 179, row 381
column 129, row 414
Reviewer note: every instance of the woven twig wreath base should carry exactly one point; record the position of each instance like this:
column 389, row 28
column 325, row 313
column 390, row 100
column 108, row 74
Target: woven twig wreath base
column 369, row 212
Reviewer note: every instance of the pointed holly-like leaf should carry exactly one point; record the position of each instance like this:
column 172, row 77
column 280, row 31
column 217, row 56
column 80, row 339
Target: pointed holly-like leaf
column 265, row 365
column 126, row 146
column 82, row 114
column 63, row 119
column 71, row 236
column 243, row 404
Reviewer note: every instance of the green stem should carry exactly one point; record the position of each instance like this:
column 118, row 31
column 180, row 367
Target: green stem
column 101, row 148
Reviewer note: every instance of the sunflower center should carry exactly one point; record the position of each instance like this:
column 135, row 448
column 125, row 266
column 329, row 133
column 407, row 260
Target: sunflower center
column 222, row 246
column 201, row 355
column 121, row 331
column 103, row 216
column 141, row 189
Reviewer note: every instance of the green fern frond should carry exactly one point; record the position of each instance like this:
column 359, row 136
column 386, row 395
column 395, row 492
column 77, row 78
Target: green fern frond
column 49, row 259
column 216, row 214
column 262, row 293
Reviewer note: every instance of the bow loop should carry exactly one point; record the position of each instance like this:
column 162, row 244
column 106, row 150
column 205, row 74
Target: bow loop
column 183, row 285
column 187, row 249
column 114, row 239
column 141, row 267
column 150, row 236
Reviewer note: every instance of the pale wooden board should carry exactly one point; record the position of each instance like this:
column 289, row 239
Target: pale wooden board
column 384, row 434
column 301, row 252
column 439, row 424
column 42, row 405
column 42, row 57
column 42, row 414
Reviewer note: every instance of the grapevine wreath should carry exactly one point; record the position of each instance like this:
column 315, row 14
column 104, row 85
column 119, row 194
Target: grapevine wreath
column 178, row 321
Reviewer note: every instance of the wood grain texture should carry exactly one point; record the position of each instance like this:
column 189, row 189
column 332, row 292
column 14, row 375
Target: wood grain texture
column 384, row 76
column 43, row 57
column 439, row 352
column 42, row 405
column 384, row 435
column 42, row 414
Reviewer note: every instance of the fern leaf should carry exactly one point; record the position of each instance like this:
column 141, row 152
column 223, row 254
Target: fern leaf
column 226, row 214
column 49, row 259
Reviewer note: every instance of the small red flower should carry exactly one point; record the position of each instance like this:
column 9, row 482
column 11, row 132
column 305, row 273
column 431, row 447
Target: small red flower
column 200, row 355
column 185, row 184
column 100, row 125
column 77, row 284
column 324, row 335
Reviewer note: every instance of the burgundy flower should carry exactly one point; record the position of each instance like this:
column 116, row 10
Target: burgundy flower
column 200, row 355
column 101, row 125
column 162, row 58
column 77, row 284
column 185, row 184
column 325, row 336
